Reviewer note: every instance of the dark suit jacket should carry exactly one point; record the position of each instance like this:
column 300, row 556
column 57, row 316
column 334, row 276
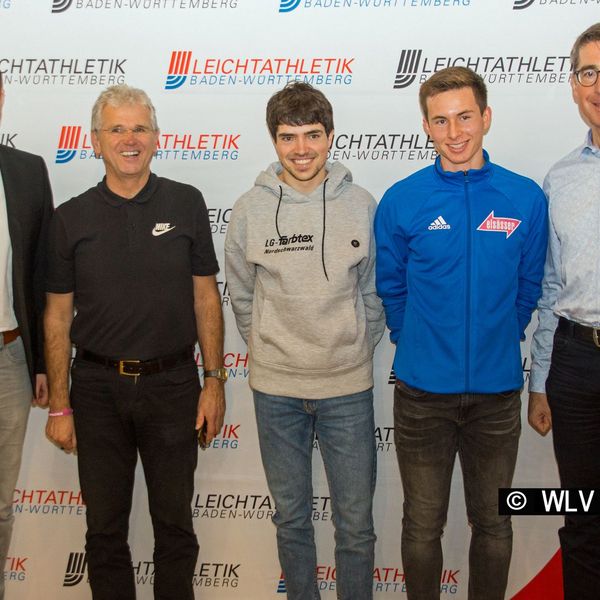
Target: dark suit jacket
column 29, row 208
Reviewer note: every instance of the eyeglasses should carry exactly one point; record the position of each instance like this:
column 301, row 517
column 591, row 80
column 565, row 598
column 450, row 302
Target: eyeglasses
column 587, row 77
column 118, row 131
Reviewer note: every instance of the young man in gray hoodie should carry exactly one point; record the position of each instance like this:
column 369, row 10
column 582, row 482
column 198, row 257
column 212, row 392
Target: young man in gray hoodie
column 300, row 258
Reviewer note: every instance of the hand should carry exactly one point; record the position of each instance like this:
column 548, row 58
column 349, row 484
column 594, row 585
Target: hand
column 211, row 408
column 61, row 432
column 538, row 413
column 40, row 397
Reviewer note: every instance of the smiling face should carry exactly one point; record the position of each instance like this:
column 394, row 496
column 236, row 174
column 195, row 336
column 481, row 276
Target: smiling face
column 588, row 98
column 456, row 126
column 302, row 151
column 127, row 155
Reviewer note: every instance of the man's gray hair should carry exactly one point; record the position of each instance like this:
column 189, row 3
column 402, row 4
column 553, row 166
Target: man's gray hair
column 118, row 95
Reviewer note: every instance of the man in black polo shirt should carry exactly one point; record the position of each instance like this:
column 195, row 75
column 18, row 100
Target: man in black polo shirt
column 134, row 256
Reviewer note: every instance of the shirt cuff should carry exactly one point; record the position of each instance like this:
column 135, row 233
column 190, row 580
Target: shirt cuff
column 537, row 381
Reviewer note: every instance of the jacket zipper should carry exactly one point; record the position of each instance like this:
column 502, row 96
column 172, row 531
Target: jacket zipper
column 468, row 287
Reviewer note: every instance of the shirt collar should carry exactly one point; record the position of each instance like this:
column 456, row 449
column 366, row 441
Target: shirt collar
column 589, row 146
column 458, row 177
column 142, row 196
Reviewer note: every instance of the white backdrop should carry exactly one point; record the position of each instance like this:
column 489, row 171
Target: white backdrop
column 224, row 58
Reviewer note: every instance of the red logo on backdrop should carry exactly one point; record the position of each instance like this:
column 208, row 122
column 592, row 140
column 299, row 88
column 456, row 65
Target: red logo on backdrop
column 73, row 141
column 272, row 70
column 499, row 224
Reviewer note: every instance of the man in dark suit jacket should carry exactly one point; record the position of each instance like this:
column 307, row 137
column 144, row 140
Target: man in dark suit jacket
column 25, row 209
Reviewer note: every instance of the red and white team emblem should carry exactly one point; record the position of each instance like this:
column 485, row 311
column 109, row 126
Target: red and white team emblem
column 501, row 224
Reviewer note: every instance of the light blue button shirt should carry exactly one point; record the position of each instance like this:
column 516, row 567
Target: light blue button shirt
column 571, row 286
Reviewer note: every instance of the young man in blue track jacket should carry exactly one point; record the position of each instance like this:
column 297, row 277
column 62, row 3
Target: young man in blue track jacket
column 460, row 259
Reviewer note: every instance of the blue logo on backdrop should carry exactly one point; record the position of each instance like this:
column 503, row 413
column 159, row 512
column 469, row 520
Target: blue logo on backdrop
column 286, row 6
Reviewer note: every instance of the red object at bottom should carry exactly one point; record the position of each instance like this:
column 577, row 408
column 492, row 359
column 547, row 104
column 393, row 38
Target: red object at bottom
column 547, row 584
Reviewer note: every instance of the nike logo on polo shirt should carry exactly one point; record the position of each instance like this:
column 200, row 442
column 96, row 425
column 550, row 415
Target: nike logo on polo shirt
column 161, row 228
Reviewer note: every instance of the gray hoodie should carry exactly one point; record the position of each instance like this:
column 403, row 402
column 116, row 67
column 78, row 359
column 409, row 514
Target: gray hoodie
column 301, row 275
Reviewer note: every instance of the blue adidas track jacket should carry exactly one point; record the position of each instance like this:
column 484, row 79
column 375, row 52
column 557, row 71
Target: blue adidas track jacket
column 460, row 260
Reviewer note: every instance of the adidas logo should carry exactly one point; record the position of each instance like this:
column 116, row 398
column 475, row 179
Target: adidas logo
column 439, row 223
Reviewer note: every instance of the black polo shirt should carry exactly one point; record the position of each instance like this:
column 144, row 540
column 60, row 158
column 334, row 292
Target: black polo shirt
column 130, row 265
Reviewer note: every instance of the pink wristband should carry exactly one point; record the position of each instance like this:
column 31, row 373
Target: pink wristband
column 61, row 413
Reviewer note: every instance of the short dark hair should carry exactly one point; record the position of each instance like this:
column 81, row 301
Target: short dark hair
column 591, row 34
column 453, row 78
column 299, row 103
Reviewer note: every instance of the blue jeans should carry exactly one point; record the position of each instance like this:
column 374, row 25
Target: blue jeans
column 115, row 418
column 573, row 388
column 15, row 402
column 345, row 429
column 430, row 429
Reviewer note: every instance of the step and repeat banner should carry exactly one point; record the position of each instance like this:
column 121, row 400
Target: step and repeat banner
column 210, row 67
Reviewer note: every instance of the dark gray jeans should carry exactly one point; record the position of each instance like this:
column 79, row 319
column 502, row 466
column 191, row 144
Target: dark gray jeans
column 430, row 429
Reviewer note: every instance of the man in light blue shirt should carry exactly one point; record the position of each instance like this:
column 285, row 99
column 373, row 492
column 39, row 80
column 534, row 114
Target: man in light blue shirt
column 565, row 373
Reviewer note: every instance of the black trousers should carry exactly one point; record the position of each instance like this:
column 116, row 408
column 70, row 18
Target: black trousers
column 573, row 389
column 116, row 417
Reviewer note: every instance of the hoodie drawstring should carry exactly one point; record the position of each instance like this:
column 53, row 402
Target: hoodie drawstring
column 324, row 225
column 323, row 234
column 277, row 212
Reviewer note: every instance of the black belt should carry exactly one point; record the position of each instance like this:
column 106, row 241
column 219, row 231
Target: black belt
column 580, row 332
column 134, row 368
